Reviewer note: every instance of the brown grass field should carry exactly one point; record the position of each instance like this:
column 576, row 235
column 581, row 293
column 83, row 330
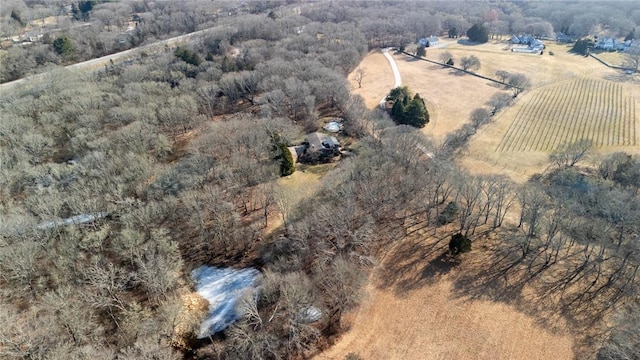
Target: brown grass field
column 583, row 108
column 420, row 306
column 572, row 97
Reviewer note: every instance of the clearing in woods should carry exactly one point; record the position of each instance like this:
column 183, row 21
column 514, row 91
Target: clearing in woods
column 420, row 307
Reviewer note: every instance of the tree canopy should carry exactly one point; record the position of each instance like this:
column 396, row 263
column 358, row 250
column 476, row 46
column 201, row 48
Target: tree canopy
column 406, row 110
column 478, row 33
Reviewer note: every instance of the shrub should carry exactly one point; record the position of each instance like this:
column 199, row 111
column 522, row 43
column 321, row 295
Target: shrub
column 459, row 244
column 448, row 214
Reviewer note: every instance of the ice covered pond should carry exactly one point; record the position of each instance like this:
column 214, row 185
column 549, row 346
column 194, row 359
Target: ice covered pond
column 333, row 126
column 222, row 287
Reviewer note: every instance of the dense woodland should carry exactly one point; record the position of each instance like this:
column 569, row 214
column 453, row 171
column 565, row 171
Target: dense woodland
column 177, row 150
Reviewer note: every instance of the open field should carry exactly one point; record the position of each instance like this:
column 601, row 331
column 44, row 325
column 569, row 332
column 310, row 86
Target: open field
column 613, row 58
column 542, row 69
column 572, row 97
column 593, row 109
column 450, row 96
column 419, row 307
column 378, row 79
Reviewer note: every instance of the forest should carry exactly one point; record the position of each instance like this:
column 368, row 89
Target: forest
column 173, row 154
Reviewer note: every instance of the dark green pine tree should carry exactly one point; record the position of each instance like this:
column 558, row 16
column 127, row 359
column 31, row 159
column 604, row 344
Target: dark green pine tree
column 63, row 46
column 416, row 114
column 398, row 111
column 282, row 154
column 478, row 33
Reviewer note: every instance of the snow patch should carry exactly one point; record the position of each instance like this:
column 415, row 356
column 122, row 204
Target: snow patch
column 78, row 219
column 222, row 287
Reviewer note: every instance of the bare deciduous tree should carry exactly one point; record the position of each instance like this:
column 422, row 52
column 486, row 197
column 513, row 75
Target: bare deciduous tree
column 445, row 57
column 499, row 100
column 502, row 75
column 568, row 154
column 359, row 75
column 518, row 83
column 470, row 62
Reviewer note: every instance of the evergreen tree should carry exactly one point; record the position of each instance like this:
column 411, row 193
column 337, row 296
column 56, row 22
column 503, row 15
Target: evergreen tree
column 63, row 46
column 398, row 93
column 407, row 111
column 478, row 33
column 282, row 154
column 631, row 35
column 397, row 112
column 582, row 46
column 421, row 51
column 459, row 244
column 15, row 15
column 416, row 114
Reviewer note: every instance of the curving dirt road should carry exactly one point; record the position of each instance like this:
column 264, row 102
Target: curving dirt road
column 394, row 68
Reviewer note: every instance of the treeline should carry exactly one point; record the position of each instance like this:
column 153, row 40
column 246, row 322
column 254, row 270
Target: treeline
column 382, row 24
column 402, row 23
column 94, row 28
column 116, row 142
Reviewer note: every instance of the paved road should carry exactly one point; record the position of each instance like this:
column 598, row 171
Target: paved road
column 105, row 60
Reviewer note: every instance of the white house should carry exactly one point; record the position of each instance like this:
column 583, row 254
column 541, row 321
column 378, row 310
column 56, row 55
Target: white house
column 606, row 44
column 429, row 41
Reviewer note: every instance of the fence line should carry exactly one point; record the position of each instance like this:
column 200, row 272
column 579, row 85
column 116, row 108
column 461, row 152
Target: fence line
column 607, row 64
column 459, row 69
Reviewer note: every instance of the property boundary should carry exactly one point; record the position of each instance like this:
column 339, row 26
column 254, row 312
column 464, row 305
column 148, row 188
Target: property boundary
column 609, row 65
column 459, row 69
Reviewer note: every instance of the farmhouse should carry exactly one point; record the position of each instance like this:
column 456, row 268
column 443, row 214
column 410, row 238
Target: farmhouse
column 611, row 44
column 320, row 148
column 429, row 41
column 562, row 37
column 534, row 46
column 321, row 142
column 522, row 39
column 606, row 44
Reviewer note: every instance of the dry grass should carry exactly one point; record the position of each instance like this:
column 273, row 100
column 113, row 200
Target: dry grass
column 421, row 305
column 378, row 79
column 613, row 58
column 582, row 108
column 451, row 98
column 293, row 189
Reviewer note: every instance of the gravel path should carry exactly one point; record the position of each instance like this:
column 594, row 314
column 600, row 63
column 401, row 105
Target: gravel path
column 396, row 72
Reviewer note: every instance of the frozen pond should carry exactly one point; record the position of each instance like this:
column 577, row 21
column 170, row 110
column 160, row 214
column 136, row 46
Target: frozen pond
column 222, row 287
column 333, row 126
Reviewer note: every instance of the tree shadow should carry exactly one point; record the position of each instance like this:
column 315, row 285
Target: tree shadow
column 503, row 276
column 467, row 42
column 496, row 85
column 457, row 72
column 623, row 77
column 405, row 267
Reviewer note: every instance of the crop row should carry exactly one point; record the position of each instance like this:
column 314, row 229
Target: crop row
column 591, row 109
